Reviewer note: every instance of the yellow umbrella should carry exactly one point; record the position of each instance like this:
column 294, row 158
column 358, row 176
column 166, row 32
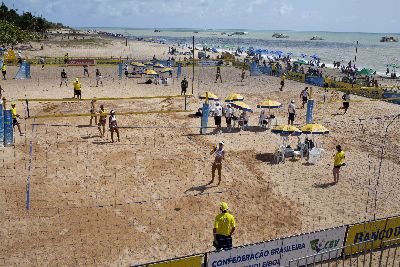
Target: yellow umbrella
column 137, row 64
column 158, row 65
column 314, row 129
column 150, row 72
column 166, row 70
column 148, row 63
column 286, row 130
column 242, row 106
column 269, row 104
column 211, row 96
column 234, row 97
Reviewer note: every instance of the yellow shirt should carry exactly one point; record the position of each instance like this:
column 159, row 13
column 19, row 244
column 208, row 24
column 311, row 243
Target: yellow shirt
column 3, row 68
column 103, row 114
column 224, row 223
column 14, row 113
column 339, row 159
column 283, row 77
column 77, row 86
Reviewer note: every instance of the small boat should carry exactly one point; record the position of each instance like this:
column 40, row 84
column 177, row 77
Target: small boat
column 237, row 33
column 389, row 39
column 157, row 30
column 280, row 35
column 316, row 38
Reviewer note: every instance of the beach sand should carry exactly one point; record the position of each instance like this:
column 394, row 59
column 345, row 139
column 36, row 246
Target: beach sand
column 145, row 198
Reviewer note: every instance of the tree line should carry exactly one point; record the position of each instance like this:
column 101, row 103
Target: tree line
column 16, row 28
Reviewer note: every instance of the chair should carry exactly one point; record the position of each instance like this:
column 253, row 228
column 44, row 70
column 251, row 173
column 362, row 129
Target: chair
column 314, row 155
column 279, row 155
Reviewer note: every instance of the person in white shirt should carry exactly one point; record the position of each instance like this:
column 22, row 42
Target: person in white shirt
column 228, row 117
column 112, row 124
column 292, row 112
column 217, row 164
column 304, row 96
column 218, row 115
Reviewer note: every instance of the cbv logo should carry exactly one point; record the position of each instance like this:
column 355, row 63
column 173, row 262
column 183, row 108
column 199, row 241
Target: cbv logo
column 318, row 245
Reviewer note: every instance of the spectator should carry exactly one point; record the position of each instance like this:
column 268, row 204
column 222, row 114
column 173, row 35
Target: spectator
column 184, row 86
column 217, row 116
column 292, row 112
column 228, row 117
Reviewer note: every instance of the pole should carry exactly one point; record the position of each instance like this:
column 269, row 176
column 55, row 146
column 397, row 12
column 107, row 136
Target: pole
column 27, row 107
column 193, row 67
column 185, row 102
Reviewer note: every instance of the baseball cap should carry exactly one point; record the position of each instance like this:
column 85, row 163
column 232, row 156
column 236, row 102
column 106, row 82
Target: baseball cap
column 223, row 206
column 292, row 101
column 222, row 143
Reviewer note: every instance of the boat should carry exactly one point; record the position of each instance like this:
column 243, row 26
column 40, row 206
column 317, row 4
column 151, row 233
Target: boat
column 316, row 38
column 157, row 30
column 237, row 33
column 389, row 39
column 280, row 35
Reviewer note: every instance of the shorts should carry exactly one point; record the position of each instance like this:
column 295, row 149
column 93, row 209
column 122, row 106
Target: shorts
column 78, row 92
column 183, row 89
column 282, row 83
column 126, row 73
column 217, row 120
column 228, row 120
column 305, row 99
column 103, row 121
column 291, row 116
column 346, row 105
column 4, row 72
column 224, row 242
column 15, row 122
column 99, row 78
column 337, row 167
column 64, row 80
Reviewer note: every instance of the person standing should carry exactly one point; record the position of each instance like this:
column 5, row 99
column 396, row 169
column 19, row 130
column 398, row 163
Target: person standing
column 228, row 117
column 339, row 158
column 112, row 124
column 102, row 121
column 86, row 70
column 346, row 103
column 93, row 112
column 184, row 86
column 15, row 115
column 224, row 227
column 283, row 78
column 217, row 165
column 4, row 70
column 218, row 116
column 77, row 89
column 304, row 97
column 99, row 78
column 218, row 75
column 292, row 112
column 243, row 75
column 64, row 78
column 66, row 57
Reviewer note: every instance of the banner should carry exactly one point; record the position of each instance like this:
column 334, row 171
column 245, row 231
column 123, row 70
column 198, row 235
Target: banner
column 280, row 252
column 120, row 71
column 8, row 128
column 378, row 231
column 254, row 71
column 24, row 71
column 310, row 108
column 209, row 63
column 81, row 62
column 194, row 261
column 300, row 77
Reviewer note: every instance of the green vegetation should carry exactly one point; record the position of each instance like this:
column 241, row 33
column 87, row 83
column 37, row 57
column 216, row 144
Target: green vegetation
column 15, row 28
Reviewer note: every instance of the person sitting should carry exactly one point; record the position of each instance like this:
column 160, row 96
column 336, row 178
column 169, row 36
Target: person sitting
column 243, row 120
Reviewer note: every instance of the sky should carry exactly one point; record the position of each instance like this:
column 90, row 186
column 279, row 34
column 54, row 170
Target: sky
column 298, row 15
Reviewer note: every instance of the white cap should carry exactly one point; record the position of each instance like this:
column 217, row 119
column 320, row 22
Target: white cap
column 292, row 101
column 221, row 143
column 217, row 103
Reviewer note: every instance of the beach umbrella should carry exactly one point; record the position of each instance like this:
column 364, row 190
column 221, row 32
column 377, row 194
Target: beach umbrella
column 242, row 106
column 269, row 104
column 234, row 98
column 314, row 129
column 315, row 57
column 164, row 70
column 366, row 72
column 150, row 72
column 286, row 130
column 137, row 64
column 301, row 61
column 158, row 65
column 211, row 96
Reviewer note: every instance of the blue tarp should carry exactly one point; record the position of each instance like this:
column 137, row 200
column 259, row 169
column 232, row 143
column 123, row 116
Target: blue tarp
column 254, row 70
column 265, row 70
column 318, row 81
column 8, row 128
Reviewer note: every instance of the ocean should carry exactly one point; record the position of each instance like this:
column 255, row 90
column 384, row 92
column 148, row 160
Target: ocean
column 336, row 46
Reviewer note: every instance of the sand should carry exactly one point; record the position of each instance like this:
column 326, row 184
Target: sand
column 145, row 199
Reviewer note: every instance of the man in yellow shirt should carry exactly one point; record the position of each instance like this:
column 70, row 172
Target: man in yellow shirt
column 14, row 117
column 338, row 162
column 77, row 89
column 283, row 78
column 224, row 226
column 102, row 121
column 4, row 70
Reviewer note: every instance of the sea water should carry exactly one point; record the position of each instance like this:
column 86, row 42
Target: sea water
column 336, row 46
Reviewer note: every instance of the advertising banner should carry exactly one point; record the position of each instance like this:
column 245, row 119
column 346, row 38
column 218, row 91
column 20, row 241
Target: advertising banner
column 296, row 76
column 318, row 81
column 194, row 261
column 204, row 118
column 8, row 128
column 378, row 231
column 280, row 252
column 310, row 108
column 208, row 63
column 81, row 62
